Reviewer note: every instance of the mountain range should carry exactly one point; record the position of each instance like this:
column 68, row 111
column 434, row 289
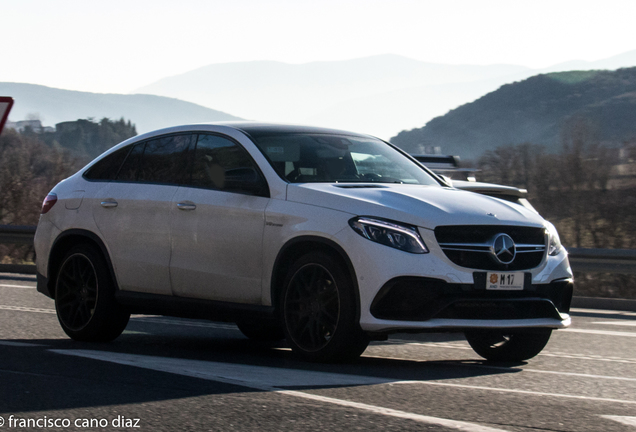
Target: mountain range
column 380, row 95
column 534, row 111
column 147, row 112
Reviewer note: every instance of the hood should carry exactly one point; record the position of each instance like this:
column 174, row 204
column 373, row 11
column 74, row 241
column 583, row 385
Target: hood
column 423, row 206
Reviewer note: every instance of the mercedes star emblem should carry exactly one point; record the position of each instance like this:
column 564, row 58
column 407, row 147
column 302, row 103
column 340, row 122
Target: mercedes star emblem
column 503, row 249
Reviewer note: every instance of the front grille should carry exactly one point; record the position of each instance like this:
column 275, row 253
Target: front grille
column 470, row 245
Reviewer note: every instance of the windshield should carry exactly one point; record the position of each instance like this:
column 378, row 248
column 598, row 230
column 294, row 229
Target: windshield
column 312, row 158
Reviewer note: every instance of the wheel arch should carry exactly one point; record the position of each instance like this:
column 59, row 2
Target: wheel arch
column 64, row 242
column 297, row 247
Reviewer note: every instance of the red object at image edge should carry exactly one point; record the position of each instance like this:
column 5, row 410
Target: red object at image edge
column 5, row 107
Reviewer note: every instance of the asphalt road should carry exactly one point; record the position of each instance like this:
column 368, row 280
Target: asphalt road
column 166, row 374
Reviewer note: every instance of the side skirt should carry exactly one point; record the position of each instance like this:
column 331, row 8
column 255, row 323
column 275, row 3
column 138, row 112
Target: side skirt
column 181, row 307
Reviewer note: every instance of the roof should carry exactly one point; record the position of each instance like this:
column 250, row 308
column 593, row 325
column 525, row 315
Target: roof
column 264, row 129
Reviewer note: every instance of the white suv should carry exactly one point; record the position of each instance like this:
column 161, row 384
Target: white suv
column 327, row 238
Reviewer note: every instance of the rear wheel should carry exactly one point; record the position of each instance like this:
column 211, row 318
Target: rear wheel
column 85, row 297
column 319, row 310
column 511, row 346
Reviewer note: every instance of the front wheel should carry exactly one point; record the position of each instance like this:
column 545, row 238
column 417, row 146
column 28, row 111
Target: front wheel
column 318, row 305
column 85, row 297
column 508, row 346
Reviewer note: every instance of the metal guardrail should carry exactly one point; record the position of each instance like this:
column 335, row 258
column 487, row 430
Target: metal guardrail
column 21, row 235
column 621, row 261
column 17, row 234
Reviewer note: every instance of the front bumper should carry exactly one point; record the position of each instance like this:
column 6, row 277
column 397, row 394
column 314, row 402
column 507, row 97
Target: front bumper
column 441, row 296
column 423, row 304
column 422, row 299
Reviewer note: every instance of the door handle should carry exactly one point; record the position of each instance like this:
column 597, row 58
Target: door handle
column 186, row 206
column 109, row 204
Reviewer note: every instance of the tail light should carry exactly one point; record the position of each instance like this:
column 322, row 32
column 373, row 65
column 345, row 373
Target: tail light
column 48, row 202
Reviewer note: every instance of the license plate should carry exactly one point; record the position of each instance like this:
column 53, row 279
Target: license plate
column 504, row 281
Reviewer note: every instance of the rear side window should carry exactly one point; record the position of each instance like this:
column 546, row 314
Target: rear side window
column 130, row 168
column 108, row 167
column 165, row 160
column 162, row 160
column 221, row 164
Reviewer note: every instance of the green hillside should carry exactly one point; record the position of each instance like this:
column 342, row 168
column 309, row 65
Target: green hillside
column 534, row 110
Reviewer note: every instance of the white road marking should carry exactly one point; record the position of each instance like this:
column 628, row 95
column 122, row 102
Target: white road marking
column 27, row 309
column 598, row 332
column 269, row 379
column 603, row 312
column 451, row 424
column 508, row 369
column 588, row 357
column 16, row 286
column 525, row 392
column 629, row 421
column 579, row 375
column 617, row 323
column 19, row 344
column 246, row 375
column 465, row 346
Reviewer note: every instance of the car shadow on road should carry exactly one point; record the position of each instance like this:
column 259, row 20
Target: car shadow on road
column 55, row 374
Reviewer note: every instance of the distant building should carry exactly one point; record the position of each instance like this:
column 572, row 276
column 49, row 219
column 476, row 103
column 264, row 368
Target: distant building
column 34, row 125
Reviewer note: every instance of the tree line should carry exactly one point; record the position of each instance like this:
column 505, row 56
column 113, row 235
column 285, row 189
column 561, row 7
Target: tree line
column 579, row 190
column 86, row 137
column 32, row 163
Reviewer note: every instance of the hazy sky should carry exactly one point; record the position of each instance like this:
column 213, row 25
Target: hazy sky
column 119, row 45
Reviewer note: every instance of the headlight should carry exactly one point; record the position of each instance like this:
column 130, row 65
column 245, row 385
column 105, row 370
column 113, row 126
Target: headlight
column 398, row 236
column 555, row 242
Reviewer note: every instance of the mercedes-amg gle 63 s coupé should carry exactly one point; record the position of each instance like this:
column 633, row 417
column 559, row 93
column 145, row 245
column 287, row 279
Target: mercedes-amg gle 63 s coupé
column 327, row 238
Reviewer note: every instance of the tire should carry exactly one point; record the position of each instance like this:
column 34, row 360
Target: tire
column 261, row 331
column 508, row 346
column 85, row 297
column 318, row 308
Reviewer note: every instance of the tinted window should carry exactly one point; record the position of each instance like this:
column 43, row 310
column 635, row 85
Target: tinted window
column 161, row 160
column 220, row 163
column 130, row 168
column 165, row 160
column 108, row 167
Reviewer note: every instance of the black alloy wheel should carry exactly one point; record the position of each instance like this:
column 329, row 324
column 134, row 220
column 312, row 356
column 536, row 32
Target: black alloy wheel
column 76, row 292
column 319, row 310
column 85, row 297
column 312, row 307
